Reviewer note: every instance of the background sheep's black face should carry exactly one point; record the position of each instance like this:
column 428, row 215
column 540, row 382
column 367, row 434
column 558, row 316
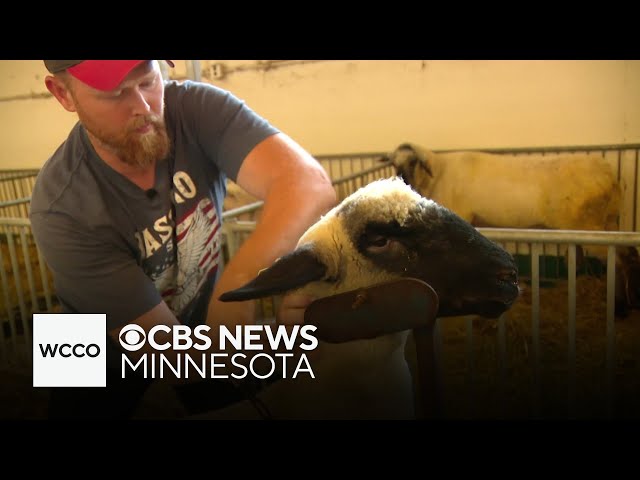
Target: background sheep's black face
column 408, row 164
column 406, row 170
column 471, row 274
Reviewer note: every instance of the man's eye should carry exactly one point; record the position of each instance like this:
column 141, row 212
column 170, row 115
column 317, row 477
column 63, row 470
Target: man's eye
column 149, row 83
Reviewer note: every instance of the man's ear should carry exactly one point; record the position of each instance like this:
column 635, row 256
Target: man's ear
column 59, row 90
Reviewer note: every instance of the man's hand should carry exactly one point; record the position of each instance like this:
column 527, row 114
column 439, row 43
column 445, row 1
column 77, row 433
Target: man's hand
column 291, row 312
column 292, row 308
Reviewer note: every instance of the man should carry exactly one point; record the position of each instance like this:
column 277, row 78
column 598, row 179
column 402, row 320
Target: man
column 127, row 212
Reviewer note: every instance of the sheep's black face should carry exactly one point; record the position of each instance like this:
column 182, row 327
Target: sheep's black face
column 407, row 162
column 471, row 274
column 406, row 170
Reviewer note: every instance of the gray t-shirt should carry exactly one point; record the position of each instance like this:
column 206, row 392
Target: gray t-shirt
column 114, row 248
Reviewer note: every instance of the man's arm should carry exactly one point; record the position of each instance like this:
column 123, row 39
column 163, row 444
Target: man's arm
column 297, row 192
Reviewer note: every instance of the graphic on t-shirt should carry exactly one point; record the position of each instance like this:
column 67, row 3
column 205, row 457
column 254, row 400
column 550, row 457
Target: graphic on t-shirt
column 198, row 241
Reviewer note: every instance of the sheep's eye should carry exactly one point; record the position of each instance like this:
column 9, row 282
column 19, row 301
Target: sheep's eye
column 382, row 238
column 376, row 243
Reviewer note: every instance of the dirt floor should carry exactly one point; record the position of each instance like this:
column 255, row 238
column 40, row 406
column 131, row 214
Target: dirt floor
column 486, row 388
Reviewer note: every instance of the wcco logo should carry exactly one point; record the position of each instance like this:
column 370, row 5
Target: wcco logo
column 69, row 350
column 78, row 350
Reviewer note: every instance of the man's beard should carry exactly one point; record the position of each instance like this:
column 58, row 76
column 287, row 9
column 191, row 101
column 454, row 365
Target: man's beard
column 132, row 148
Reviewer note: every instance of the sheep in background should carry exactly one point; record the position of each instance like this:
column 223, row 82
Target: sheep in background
column 567, row 192
column 382, row 232
column 564, row 192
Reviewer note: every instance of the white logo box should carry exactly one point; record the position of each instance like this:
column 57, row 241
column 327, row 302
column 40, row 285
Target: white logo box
column 74, row 349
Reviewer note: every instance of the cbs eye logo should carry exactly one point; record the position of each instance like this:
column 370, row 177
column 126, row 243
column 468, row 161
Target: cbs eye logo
column 132, row 337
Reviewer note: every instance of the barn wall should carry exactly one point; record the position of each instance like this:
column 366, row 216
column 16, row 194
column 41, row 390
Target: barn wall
column 367, row 106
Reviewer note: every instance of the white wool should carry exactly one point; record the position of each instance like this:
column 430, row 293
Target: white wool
column 563, row 191
column 383, row 200
column 519, row 192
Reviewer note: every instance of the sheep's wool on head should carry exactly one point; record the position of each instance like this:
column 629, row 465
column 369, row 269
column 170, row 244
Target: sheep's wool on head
column 383, row 200
column 362, row 237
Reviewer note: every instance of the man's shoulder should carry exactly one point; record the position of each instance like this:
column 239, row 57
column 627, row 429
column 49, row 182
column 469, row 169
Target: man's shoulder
column 188, row 94
column 182, row 87
column 61, row 175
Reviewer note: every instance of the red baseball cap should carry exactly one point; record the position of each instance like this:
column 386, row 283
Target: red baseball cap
column 99, row 74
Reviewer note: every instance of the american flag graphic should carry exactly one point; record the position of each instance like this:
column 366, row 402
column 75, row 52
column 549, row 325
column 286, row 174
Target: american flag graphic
column 198, row 239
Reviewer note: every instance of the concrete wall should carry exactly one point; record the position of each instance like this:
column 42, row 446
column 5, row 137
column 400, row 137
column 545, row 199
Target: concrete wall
column 348, row 106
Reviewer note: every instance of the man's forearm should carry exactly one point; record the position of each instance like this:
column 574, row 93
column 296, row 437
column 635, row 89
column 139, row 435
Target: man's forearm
column 290, row 208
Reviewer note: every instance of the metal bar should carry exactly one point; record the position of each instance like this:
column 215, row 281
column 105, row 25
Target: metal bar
column 469, row 377
column 17, row 201
column 438, row 358
column 535, row 326
column 240, row 227
column 523, row 150
column 5, row 291
column 502, row 356
column 543, row 150
column 16, row 281
column 26, row 329
column 610, row 358
column 194, row 70
column 635, row 192
column 45, row 279
column 234, row 212
column 11, row 221
column 4, row 195
column 592, row 237
column 29, row 269
column 340, row 156
column 571, row 356
column 228, row 233
column 359, row 175
column 18, row 173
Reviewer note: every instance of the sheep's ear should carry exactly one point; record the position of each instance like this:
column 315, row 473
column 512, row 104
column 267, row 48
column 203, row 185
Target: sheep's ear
column 425, row 163
column 422, row 155
column 289, row 272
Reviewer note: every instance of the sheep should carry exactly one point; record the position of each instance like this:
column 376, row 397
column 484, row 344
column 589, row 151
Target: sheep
column 565, row 192
column 383, row 231
column 570, row 192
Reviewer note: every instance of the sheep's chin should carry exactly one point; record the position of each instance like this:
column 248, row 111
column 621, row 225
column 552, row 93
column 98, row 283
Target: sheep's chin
column 486, row 308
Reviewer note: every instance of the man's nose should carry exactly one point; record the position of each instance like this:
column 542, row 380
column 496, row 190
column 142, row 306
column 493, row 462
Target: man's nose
column 140, row 103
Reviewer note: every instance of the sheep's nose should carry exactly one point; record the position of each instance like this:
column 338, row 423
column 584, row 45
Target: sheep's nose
column 509, row 275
